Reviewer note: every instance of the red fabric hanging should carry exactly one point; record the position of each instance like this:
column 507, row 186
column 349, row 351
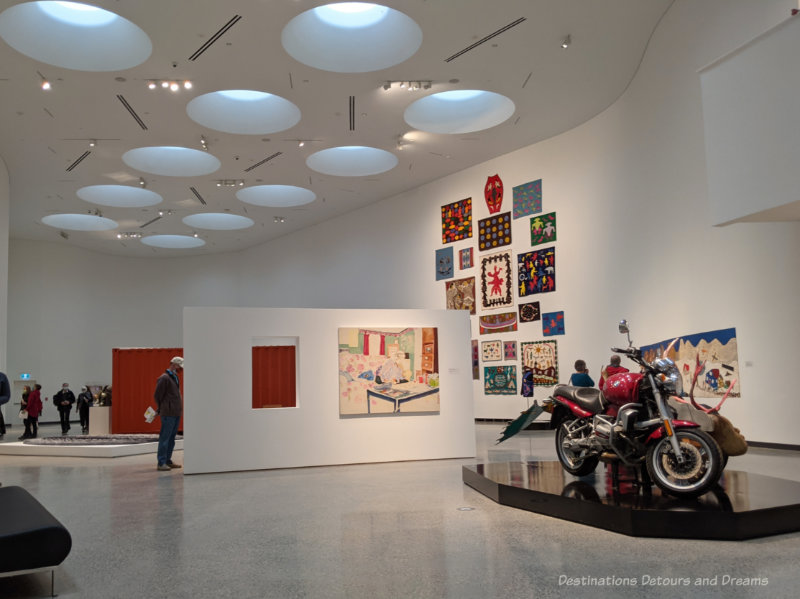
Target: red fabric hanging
column 274, row 376
column 133, row 380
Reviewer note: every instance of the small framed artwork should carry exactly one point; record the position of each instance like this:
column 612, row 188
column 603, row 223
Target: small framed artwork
column 491, row 351
column 466, row 258
column 553, row 323
column 509, row 350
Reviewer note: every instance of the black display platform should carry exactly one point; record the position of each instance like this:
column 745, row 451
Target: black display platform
column 742, row 506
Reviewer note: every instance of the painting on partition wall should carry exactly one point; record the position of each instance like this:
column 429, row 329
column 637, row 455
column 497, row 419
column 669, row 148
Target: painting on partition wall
column 457, row 221
column 527, row 199
column 460, row 294
column 717, row 350
column 536, row 271
column 388, row 371
column 476, row 369
column 496, row 281
column 500, row 380
column 539, row 365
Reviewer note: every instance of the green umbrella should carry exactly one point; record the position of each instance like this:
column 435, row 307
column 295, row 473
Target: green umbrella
column 521, row 422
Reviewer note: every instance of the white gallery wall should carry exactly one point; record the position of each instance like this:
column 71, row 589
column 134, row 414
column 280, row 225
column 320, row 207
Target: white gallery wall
column 635, row 240
column 218, row 388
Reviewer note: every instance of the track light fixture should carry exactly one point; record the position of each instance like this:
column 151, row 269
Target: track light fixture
column 170, row 84
column 142, row 182
column 203, row 143
column 45, row 84
column 230, row 182
column 165, row 212
column 279, row 219
column 92, row 143
column 565, row 43
column 129, row 235
column 409, row 85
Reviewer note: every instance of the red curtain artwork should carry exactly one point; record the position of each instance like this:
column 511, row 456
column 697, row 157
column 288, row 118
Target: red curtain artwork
column 274, row 376
column 133, row 380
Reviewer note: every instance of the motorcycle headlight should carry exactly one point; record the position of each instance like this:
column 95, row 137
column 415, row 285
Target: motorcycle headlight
column 671, row 376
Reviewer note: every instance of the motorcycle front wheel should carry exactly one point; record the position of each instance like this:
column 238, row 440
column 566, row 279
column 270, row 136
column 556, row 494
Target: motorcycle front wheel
column 700, row 470
column 576, row 462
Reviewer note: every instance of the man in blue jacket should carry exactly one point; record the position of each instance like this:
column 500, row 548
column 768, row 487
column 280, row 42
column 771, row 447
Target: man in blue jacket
column 169, row 406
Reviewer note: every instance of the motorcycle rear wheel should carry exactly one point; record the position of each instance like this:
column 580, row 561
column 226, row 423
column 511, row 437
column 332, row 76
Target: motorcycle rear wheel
column 700, row 471
column 577, row 465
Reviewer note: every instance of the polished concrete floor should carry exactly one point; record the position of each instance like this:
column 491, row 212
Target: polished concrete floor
column 397, row 530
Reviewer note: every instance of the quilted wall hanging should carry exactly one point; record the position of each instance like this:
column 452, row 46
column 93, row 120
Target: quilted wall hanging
column 444, row 263
column 539, row 365
column 543, row 228
column 495, row 281
column 465, row 258
column 493, row 193
column 509, row 350
column 457, row 221
column 500, row 380
column 461, row 294
column 504, row 322
column 527, row 199
column 537, row 271
column 491, row 351
column 476, row 369
column 552, row 323
column 529, row 312
column 494, row 232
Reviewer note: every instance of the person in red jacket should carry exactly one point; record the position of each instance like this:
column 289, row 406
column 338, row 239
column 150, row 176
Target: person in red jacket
column 34, row 410
column 611, row 369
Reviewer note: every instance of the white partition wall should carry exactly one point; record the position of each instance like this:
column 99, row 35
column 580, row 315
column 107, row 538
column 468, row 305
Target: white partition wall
column 224, row 433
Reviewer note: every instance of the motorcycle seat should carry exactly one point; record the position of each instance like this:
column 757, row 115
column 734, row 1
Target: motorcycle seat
column 588, row 398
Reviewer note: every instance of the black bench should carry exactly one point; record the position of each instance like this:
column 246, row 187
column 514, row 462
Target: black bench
column 31, row 539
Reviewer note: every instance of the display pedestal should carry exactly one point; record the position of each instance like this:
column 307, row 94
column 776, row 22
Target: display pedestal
column 742, row 506
column 100, row 420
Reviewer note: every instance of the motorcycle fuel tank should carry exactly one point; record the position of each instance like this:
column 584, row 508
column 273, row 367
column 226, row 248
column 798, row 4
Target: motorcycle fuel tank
column 622, row 388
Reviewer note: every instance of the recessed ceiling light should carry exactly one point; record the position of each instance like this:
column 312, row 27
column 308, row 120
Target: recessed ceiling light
column 218, row 221
column 119, row 196
column 73, row 35
column 276, row 196
column 79, row 222
column 459, row 111
column 352, row 161
column 246, row 112
column 351, row 37
column 171, row 161
column 173, row 242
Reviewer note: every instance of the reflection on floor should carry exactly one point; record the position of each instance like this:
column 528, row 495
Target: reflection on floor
column 377, row 530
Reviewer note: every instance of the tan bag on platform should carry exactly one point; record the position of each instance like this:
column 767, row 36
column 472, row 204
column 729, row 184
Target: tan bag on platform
column 727, row 436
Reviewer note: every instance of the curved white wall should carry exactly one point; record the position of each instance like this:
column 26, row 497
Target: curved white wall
column 635, row 240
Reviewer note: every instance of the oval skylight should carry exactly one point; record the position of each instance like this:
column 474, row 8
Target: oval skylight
column 218, row 221
column 351, row 37
column 173, row 242
column 243, row 111
column 74, row 36
column 171, row 161
column 119, row 196
column 352, row 161
column 79, row 222
column 459, row 111
column 276, row 196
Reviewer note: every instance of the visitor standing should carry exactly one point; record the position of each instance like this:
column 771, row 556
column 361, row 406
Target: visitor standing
column 169, row 406
column 85, row 399
column 63, row 401
column 34, row 410
column 5, row 395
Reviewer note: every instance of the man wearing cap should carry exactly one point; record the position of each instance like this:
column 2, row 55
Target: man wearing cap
column 63, row 400
column 169, row 406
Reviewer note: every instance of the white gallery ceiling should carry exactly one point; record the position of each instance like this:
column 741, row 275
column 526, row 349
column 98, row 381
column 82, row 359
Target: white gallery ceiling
column 180, row 127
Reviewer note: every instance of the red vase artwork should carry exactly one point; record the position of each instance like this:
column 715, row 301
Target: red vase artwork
column 493, row 192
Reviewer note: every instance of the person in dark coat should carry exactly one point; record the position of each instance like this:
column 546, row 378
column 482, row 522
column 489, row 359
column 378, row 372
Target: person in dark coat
column 169, row 406
column 63, row 400
column 5, row 395
column 85, row 399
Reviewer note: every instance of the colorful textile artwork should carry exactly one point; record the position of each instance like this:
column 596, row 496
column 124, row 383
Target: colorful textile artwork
column 465, row 258
column 505, row 322
column 509, row 350
column 500, row 380
column 444, row 263
column 718, row 349
column 539, row 365
column 493, row 193
column 536, row 271
column 494, row 232
column 543, row 228
column 552, row 323
column 529, row 312
column 496, row 282
column 388, row 371
column 461, row 294
column 491, row 351
column 527, row 199
column 476, row 369
column 457, row 221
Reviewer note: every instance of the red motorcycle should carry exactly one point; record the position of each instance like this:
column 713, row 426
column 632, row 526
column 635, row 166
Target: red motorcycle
column 631, row 419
